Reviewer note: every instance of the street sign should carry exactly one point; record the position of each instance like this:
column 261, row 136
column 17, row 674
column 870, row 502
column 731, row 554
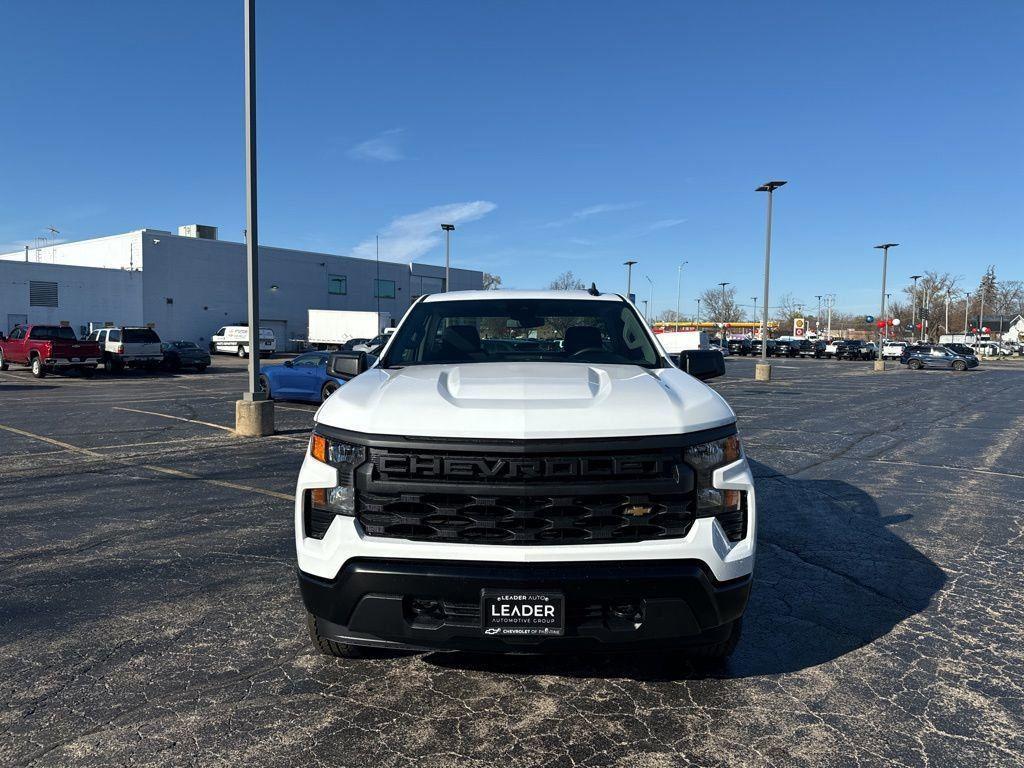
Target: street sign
column 895, row 321
column 869, row 319
column 799, row 326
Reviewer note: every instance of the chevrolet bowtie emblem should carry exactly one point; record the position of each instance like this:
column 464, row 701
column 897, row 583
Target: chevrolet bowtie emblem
column 638, row 511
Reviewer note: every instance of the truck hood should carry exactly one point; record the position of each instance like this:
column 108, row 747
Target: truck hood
column 521, row 401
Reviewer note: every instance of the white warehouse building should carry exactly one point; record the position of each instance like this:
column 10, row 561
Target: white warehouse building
column 188, row 285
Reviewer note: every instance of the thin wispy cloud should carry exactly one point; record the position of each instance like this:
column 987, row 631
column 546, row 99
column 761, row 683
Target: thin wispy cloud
column 664, row 224
column 385, row 147
column 593, row 210
column 409, row 237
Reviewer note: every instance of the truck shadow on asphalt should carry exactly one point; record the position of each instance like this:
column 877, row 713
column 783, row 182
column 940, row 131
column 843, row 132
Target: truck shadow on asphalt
column 832, row 576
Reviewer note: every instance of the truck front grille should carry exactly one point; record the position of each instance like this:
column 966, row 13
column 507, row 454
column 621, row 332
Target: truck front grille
column 519, row 520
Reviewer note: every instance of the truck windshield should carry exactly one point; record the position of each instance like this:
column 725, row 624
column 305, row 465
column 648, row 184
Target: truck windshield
column 522, row 330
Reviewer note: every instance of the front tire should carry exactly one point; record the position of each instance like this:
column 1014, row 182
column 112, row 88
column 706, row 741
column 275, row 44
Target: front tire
column 721, row 650
column 330, row 647
column 37, row 368
column 3, row 363
column 959, row 365
column 328, row 389
column 916, row 365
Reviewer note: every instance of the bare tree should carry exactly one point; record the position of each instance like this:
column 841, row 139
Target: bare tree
column 491, row 282
column 788, row 309
column 718, row 306
column 566, row 281
column 670, row 316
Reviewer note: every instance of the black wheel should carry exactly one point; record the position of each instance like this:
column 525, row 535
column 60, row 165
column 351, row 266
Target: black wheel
column 213, row 348
column 265, row 386
column 917, row 365
column 37, row 368
column 328, row 389
column 959, row 365
column 330, row 647
column 241, row 351
column 171, row 363
column 722, row 649
column 3, row 363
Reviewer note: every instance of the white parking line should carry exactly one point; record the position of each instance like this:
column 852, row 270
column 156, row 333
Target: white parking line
column 205, row 423
column 150, row 467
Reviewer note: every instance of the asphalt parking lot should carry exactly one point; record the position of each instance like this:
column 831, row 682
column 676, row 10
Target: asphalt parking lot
column 149, row 613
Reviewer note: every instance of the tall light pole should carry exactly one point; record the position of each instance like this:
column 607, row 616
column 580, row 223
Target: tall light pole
column 967, row 308
column 913, row 302
column 629, row 277
column 817, row 318
column 755, row 307
column 651, row 305
column 946, row 324
column 448, row 229
column 763, row 371
column 254, row 413
column 830, row 301
column 880, row 363
column 698, row 313
column 679, row 291
column 723, row 298
column 646, row 320
column 888, row 303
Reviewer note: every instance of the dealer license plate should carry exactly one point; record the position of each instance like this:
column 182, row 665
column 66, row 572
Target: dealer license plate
column 523, row 613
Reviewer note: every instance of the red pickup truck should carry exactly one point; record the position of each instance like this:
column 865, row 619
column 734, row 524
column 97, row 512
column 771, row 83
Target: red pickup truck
column 48, row 348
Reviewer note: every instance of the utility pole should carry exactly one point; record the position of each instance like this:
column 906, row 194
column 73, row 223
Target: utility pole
column 723, row 302
column 679, row 292
column 880, row 362
column 763, row 371
column 755, row 307
column 254, row 413
column 967, row 307
column 698, row 313
column 830, row 301
column 981, row 312
column 629, row 278
column 946, row 324
column 817, row 318
column 447, row 255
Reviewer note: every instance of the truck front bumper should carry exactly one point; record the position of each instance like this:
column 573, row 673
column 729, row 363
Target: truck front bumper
column 436, row 605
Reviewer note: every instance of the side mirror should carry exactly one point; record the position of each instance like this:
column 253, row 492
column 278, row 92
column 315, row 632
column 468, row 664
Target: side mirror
column 347, row 365
column 702, row 364
column 288, row 364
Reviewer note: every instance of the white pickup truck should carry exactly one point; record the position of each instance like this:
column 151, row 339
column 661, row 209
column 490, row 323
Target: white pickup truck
column 525, row 471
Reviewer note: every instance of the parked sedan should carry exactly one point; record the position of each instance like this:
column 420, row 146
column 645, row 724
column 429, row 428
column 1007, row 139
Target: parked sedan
column 302, row 378
column 184, row 354
column 936, row 356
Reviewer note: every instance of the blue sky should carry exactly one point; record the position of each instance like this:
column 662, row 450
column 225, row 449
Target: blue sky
column 569, row 135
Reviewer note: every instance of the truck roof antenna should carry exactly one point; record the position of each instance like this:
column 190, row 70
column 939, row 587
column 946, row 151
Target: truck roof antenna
column 593, row 290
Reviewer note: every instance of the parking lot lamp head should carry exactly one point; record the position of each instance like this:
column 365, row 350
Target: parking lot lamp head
column 884, row 247
column 770, row 188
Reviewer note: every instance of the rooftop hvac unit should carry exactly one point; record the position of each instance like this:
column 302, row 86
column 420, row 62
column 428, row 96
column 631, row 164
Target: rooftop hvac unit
column 202, row 231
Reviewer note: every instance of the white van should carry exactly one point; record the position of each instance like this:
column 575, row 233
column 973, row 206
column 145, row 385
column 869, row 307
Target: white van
column 234, row 340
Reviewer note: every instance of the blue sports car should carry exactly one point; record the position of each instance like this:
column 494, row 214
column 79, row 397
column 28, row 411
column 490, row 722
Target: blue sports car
column 302, row 378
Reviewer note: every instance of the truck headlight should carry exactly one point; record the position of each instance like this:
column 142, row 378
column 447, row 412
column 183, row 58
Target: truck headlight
column 728, row 506
column 323, row 504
